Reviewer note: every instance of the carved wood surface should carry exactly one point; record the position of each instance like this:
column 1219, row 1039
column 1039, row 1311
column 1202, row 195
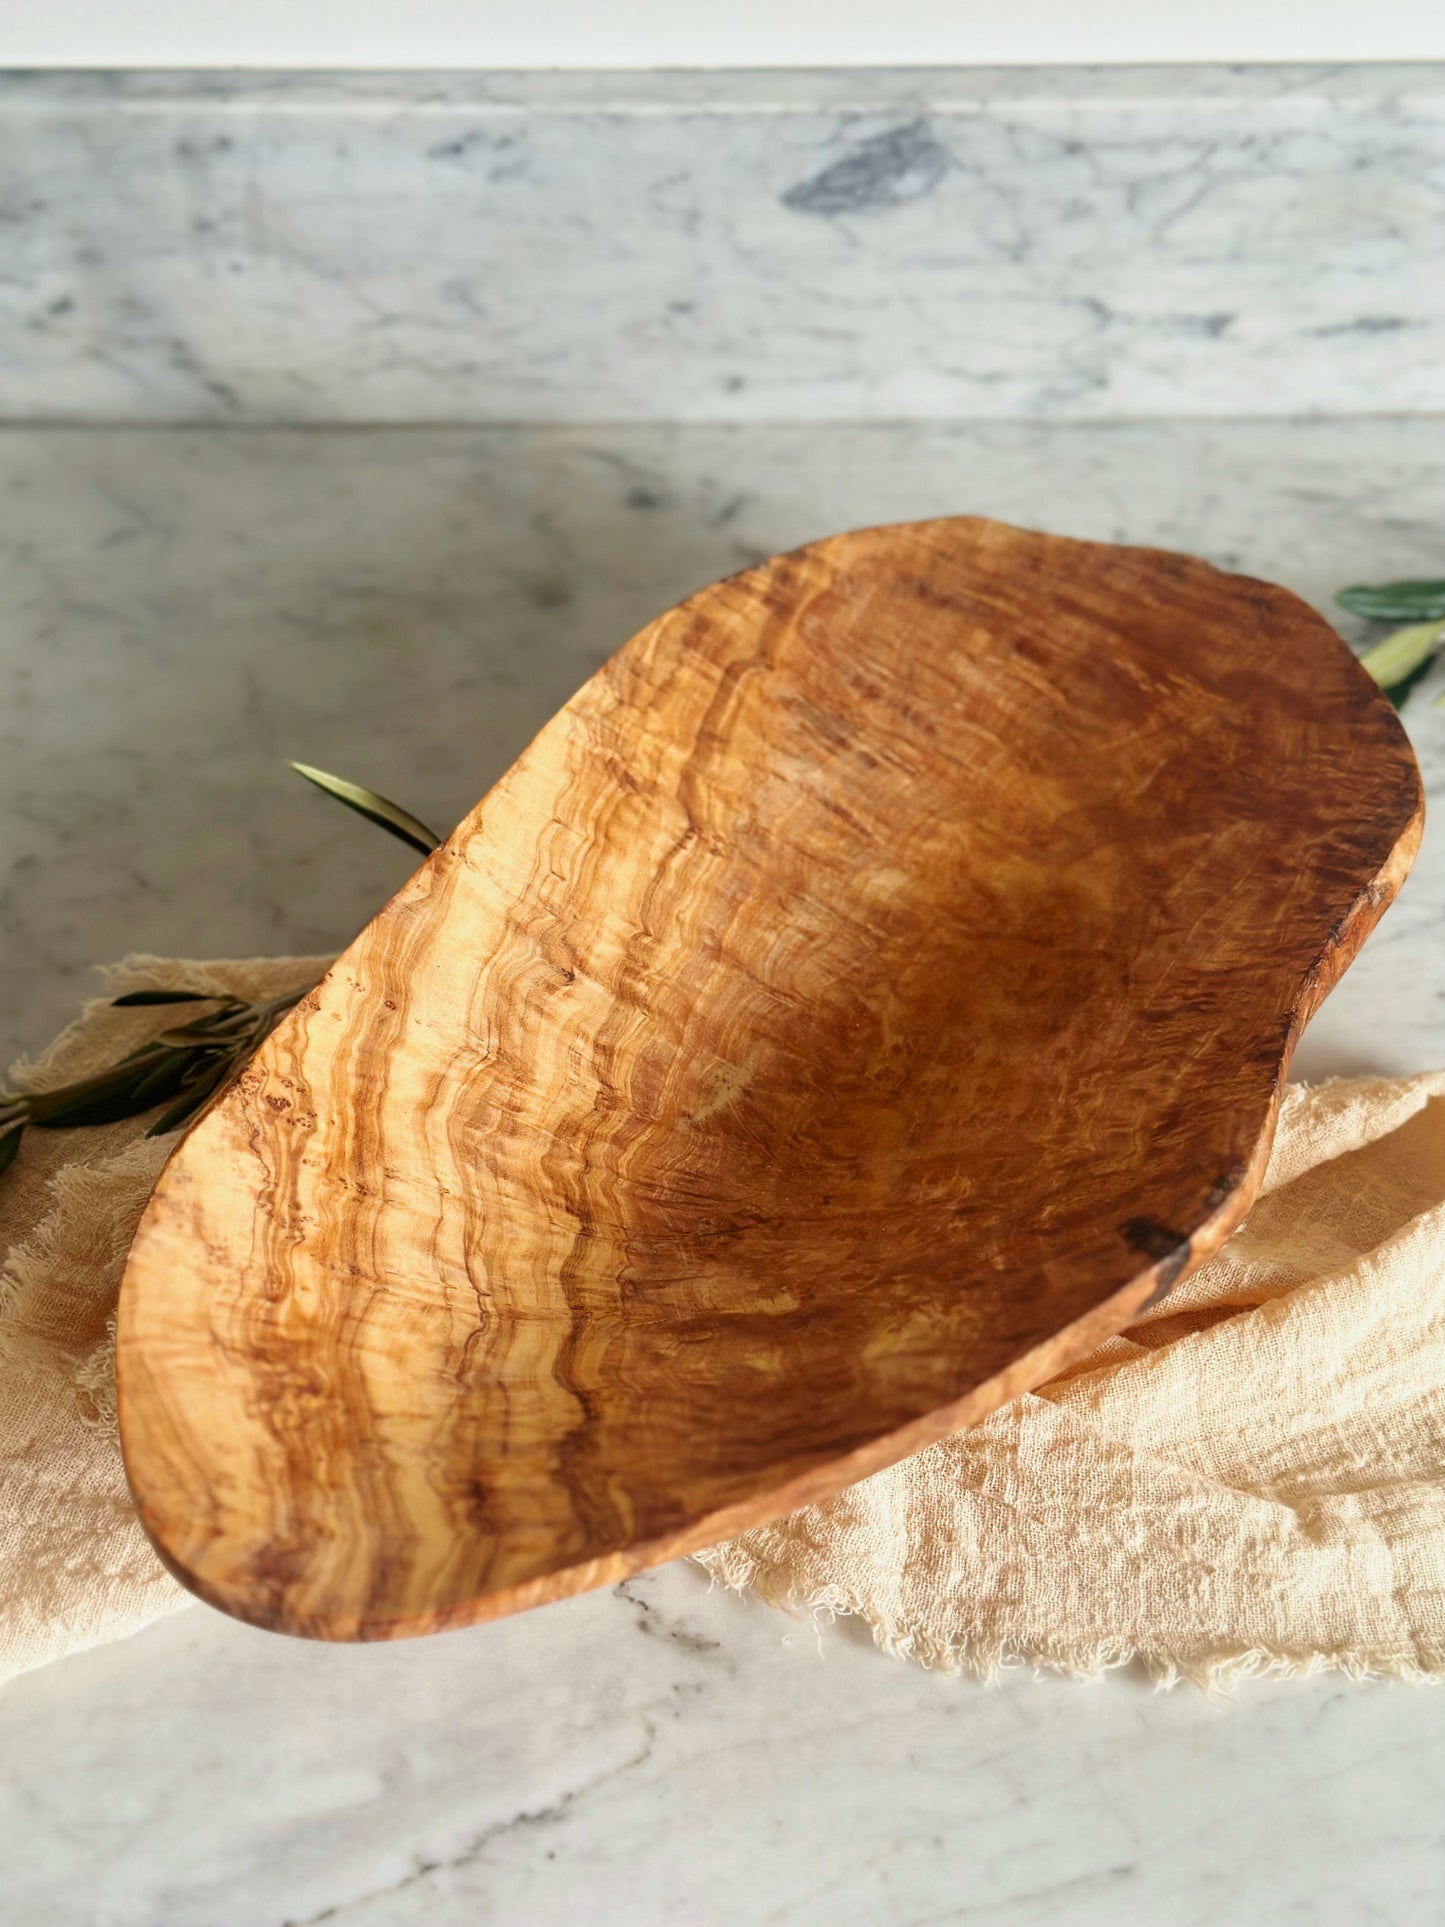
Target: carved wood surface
column 868, row 992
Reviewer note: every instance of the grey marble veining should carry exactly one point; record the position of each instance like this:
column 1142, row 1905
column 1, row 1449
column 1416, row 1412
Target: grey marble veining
column 186, row 608
column 980, row 244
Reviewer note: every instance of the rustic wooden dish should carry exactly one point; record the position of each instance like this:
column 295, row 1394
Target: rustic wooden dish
column 870, row 991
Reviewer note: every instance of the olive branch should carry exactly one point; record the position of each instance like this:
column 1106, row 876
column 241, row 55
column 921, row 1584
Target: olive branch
column 189, row 1064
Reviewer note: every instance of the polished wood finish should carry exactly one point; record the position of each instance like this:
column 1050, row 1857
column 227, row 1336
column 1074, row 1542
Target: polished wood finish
column 866, row 994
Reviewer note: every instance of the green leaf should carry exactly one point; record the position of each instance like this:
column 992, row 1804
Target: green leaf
column 208, row 1031
column 47, row 1107
column 141, row 1050
column 376, row 809
column 122, row 1091
column 191, row 1099
column 134, row 998
column 65, row 1109
column 1404, row 655
column 10, row 1143
column 1399, row 693
column 168, row 1076
column 1395, row 601
column 218, row 1020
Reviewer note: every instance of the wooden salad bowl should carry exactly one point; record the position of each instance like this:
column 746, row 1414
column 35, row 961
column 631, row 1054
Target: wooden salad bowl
column 872, row 990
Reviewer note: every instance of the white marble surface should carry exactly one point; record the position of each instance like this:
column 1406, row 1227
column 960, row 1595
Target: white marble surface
column 184, row 609
column 663, row 1756
column 1086, row 243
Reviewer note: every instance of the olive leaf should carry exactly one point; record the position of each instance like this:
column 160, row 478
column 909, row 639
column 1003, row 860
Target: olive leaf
column 1395, row 601
column 192, row 1097
column 134, row 998
column 167, row 1077
column 376, row 809
column 102, row 1099
column 184, row 1035
column 1403, row 652
column 1403, row 658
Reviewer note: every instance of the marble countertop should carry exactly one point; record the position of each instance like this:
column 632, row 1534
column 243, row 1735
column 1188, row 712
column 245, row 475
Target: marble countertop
column 185, row 609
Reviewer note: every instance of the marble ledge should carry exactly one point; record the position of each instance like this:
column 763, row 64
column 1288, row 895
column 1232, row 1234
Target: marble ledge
column 1079, row 244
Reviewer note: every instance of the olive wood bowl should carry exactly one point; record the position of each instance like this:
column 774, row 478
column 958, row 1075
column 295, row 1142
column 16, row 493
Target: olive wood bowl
column 869, row 992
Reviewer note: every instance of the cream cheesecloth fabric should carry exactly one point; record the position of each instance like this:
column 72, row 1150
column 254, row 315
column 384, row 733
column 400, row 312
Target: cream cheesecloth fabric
column 75, row 1567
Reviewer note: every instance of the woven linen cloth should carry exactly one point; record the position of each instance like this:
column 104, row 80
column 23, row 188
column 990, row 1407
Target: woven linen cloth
column 1250, row 1479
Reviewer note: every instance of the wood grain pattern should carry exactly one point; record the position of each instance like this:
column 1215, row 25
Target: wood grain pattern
column 871, row 989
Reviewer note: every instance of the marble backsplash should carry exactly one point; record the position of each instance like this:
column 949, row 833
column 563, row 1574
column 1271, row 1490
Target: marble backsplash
column 1083, row 244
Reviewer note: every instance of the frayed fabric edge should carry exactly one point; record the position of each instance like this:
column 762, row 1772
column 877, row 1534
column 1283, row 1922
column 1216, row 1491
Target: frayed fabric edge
column 987, row 1660
column 91, row 1373
column 93, row 1377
